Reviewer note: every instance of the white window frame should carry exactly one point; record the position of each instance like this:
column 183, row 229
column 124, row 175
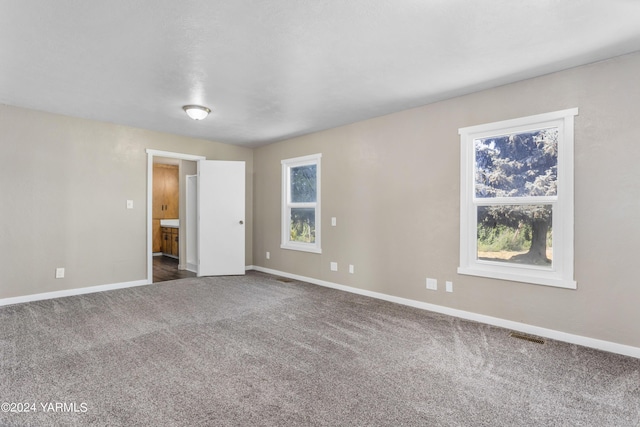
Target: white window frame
column 560, row 273
column 287, row 205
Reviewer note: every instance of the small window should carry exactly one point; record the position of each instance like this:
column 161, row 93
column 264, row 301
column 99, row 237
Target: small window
column 301, row 203
column 516, row 212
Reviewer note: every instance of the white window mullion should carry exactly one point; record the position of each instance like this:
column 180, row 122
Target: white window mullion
column 497, row 186
column 541, row 200
column 307, row 187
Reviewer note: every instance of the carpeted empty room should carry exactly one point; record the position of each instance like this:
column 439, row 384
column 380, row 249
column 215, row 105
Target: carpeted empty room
column 255, row 350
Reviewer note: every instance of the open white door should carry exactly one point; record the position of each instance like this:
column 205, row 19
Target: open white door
column 221, row 195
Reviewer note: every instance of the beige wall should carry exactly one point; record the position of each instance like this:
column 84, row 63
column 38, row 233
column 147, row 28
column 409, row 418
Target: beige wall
column 393, row 183
column 64, row 183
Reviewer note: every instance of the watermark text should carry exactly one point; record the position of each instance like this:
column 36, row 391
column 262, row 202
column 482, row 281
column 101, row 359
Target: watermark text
column 66, row 407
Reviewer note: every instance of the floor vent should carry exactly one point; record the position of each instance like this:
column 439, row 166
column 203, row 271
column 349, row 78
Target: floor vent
column 283, row 280
column 526, row 337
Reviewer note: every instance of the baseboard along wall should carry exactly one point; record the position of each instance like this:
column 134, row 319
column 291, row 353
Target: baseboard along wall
column 609, row 346
column 71, row 292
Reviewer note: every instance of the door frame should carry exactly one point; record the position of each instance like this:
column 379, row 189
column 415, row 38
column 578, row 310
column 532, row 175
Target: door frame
column 150, row 155
column 191, row 221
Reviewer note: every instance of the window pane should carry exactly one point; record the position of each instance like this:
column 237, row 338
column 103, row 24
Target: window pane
column 520, row 234
column 303, row 225
column 517, row 165
column 303, row 184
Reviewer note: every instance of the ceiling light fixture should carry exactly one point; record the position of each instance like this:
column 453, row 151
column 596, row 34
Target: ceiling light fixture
column 196, row 112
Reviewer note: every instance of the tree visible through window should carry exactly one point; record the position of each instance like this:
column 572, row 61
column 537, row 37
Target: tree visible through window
column 522, row 164
column 516, row 212
column 301, row 203
column 303, row 190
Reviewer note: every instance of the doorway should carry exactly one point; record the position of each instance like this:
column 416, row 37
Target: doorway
column 170, row 188
column 220, row 204
column 167, row 236
column 170, row 182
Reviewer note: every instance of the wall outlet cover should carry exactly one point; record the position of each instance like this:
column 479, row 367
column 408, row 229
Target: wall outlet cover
column 334, row 266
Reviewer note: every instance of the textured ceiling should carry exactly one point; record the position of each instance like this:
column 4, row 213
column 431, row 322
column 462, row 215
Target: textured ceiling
column 275, row 69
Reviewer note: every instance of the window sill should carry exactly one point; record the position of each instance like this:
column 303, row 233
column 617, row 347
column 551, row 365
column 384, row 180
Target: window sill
column 301, row 248
column 528, row 277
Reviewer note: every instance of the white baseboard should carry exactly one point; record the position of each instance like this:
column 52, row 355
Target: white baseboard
column 192, row 267
column 495, row 321
column 609, row 346
column 71, row 292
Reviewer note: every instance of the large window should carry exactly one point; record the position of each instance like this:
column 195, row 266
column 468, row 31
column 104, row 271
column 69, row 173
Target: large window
column 301, row 203
column 516, row 211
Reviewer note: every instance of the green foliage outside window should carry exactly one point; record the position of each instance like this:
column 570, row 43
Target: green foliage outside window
column 517, row 165
column 303, row 190
column 303, row 225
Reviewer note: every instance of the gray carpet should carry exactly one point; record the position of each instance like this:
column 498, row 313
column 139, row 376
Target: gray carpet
column 241, row 351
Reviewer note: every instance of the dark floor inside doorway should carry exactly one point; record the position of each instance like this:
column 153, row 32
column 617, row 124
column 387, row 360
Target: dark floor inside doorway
column 166, row 268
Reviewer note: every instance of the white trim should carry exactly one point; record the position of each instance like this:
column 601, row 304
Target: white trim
column 190, row 222
column 521, row 121
column 71, row 292
column 301, row 246
column 170, row 154
column 560, row 273
column 150, row 155
column 525, row 277
column 609, row 346
column 302, row 160
column 287, row 164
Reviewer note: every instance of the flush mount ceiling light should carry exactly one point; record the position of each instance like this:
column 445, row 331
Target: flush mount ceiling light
column 196, row 112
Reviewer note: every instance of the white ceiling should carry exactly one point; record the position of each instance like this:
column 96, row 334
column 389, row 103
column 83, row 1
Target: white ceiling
column 275, row 69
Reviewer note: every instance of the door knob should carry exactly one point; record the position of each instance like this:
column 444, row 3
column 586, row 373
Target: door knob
column 241, row 222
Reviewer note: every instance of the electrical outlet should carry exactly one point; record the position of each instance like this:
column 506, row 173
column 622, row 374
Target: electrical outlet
column 432, row 284
column 268, row 255
column 59, row 273
column 129, row 204
column 351, row 269
column 334, row 221
column 448, row 286
column 334, row 266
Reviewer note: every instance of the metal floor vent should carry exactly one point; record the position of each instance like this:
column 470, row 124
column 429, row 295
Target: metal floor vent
column 526, row 337
column 283, row 280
